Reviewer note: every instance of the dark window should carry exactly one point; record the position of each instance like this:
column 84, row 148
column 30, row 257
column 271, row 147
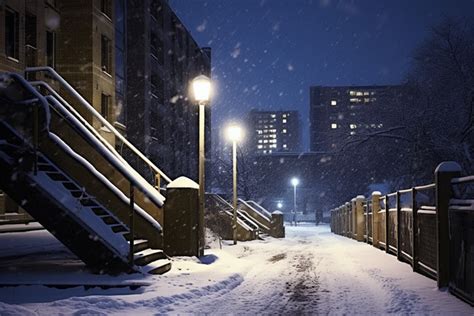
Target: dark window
column 30, row 40
column 156, row 10
column 51, row 49
column 104, row 106
column 106, row 53
column 11, row 33
column 106, row 7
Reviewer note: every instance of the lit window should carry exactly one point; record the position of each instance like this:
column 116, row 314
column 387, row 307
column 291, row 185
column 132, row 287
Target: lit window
column 283, row 121
column 352, row 133
column 355, row 100
column 259, row 131
column 352, row 93
column 366, row 93
column 380, row 125
column 284, row 131
column 269, row 151
column 353, row 126
column 260, row 146
column 359, row 93
column 333, row 126
column 265, row 141
column 260, row 141
column 284, row 115
column 273, row 115
column 372, row 93
column 333, row 102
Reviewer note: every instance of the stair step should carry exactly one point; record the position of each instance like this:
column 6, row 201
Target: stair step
column 140, row 245
column 45, row 167
column 157, row 267
column 118, row 228
column 148, row 255
column 88, row 202
column 56, row 176
column 99, row 211
column 109, row 220
column 71, row 186
column 76, row 193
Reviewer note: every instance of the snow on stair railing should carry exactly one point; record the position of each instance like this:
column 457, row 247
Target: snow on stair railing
column 253, row 209
column 96, row 114
column 261, row 208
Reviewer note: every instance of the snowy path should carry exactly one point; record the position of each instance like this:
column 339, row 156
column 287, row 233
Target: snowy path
column 311, row 271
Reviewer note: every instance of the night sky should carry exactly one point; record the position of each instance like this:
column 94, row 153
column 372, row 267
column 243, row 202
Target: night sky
column 266, row 53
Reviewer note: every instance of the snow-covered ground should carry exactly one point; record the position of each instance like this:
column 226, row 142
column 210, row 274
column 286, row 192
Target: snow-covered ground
column 310, row 271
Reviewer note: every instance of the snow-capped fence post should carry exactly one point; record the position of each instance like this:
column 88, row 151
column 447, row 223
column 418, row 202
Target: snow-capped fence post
column 444, row 173
column 181, row 219
column 352, row 219
column 387, row 223
column 359, row 218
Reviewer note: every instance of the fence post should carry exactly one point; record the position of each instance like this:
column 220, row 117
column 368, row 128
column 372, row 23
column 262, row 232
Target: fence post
column 350, row 218
column 414, row 230
column 353, row 219
column 443, row 175
column 347, row 223
column 359, row 218
column 387, row 223
column 375, row 218
column 399, row 231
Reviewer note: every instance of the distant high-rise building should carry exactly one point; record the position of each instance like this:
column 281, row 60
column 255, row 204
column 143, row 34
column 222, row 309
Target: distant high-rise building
column 274, row 132
column 339, row 115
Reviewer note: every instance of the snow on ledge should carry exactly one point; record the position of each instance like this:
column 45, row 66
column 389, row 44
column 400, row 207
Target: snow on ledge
column 376, row 193
column 182, row 183
column 448, row 166
column 278, row 213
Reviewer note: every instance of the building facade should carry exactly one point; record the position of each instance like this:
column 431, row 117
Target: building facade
column 162, row 60
column 28, row 36
column 341, row 115
column 274, row 132
column 132, row 60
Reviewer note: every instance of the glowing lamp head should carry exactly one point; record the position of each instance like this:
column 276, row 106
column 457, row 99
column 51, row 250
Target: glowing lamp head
column 201, row 88
column 234, row 133
column 295, row 182
column 279, row 205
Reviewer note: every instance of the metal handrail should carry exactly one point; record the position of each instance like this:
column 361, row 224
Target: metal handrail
column 426, row 187
column 78, row 116
column 468, row 179
column 96, row 114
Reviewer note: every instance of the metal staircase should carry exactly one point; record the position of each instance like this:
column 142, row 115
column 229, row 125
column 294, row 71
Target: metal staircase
column 42, row 173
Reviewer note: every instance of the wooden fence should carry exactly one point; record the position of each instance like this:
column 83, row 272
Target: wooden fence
column 431, row 227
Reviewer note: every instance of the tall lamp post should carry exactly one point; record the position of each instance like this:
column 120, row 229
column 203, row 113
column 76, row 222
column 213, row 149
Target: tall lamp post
column 202, row 89
column 234, row 133
column 294, row 182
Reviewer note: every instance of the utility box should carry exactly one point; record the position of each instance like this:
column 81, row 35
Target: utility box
column 182, row 233
column 277, row 228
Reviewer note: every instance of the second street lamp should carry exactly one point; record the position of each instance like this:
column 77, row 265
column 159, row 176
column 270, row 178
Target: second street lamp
column 234, row 133
column 294, row 182
column 201, row 86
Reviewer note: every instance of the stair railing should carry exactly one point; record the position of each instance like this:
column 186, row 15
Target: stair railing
column 101, row 119
column 117, row 161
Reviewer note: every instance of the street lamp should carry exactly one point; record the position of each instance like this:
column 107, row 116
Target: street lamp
column 294, row 182
column 202, row 90
column 279, row 205
column 234, row 133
